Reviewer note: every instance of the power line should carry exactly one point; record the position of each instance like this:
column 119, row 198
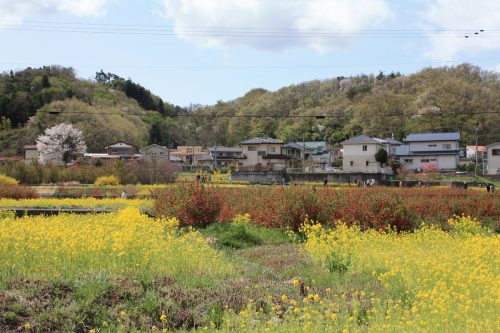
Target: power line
column 240, row 32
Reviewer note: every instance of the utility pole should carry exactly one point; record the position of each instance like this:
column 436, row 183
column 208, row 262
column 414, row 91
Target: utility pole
column 215, row 149
column 475, row 167
column 304, row 152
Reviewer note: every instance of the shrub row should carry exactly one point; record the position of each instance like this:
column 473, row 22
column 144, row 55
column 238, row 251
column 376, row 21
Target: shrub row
column 287, row 207
column 128, row 172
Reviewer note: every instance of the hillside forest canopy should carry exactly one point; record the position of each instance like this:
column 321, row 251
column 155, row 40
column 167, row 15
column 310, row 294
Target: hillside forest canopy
column 109, row 108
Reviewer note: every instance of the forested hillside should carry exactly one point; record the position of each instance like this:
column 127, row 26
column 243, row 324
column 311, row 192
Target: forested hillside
column 110, row 108
column 33, row 99
column 434, row 99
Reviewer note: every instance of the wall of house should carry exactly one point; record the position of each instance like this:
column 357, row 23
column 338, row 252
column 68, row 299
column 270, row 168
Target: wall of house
column 493, row 160
column 154, row 152
column 31, row 154
column 443, row 162
column 254, row 157
column 359, row 158
column 433, row 145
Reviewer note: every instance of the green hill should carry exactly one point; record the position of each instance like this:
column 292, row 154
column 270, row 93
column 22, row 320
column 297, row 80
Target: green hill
column 462, row 98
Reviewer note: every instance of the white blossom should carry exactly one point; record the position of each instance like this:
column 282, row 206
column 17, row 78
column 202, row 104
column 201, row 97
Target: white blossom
column 59, row 143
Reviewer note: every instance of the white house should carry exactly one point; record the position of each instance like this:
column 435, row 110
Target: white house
column 359, row 154
column 493, row 159
column 430, row 150
column 263, row 152
column 155, row 152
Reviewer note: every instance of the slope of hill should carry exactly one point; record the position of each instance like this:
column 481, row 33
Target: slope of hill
column 434, row 99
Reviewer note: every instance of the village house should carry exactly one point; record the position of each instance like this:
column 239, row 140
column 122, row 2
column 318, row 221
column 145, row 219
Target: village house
column 359, row 155
column 430, row 150
column 263, row 153
column 118, row 150
column 155, row 152
column 471, row 152
column 493, row 164
column 31, row 153
column 190, row 155
column 225, row 156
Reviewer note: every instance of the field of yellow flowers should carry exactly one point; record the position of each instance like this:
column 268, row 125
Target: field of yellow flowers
column 126, row 272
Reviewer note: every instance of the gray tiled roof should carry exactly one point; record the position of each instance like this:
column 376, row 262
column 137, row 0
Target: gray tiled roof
column 120, row 145
column 226, row 149
column 362, row 139
column 297, row 146
column 419, row 137
column 256, row 141
column 393, row 142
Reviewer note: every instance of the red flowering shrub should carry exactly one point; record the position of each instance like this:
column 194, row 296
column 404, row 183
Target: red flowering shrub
column 193, row 204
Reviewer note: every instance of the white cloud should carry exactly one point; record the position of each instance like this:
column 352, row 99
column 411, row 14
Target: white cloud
column 462, row 14
column 297, row 22
column 12, row 12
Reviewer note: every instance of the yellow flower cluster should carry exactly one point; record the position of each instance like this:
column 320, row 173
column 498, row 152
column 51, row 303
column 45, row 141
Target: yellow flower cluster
column 6, row 180
column 440, row 281
column 119, row 243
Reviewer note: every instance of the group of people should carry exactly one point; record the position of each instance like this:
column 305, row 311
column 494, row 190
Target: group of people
column 203, row 178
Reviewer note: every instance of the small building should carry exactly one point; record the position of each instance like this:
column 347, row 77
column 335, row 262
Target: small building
column 121, row 149
column 430, row 150
column 493, row 167
column 359, row 154
column 471, row 151
column 263, row 153
column 225, row 156
column 154, row 152
column 31, row 153
column 189, row 154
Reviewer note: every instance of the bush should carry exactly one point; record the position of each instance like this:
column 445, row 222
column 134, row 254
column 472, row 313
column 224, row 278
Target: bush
column 6, row 180
column 17, row 192
column 107, row 180
column 193, row 204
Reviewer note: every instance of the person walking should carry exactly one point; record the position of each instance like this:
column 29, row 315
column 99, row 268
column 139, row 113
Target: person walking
column 325, row 182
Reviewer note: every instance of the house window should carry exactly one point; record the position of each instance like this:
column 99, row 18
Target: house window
column 431, row 145
column 408, row 160
column 446, row 145
column 365, row 147
column 273, row 149
column 367, row 163
column 252, row 148
column 433, row 160
column 261, row 153
column 495, row 152
column 351, row 163
column 424, row 160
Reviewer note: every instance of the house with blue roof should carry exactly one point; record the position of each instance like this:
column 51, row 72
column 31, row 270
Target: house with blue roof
column 423, row 151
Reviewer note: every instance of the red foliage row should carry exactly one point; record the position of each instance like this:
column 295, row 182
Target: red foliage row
column 377, row 207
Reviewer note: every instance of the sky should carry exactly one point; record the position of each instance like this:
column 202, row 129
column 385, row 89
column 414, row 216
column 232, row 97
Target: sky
column 202, row 51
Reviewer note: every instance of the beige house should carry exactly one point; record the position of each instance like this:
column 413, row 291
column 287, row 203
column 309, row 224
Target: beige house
column 190, row 154
column 493, row 159
column 154, row 152
column 359, row 154
column 263, row 153
column 121, row 149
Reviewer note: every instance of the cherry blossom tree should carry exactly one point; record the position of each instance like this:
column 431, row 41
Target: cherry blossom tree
column 60, row 143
